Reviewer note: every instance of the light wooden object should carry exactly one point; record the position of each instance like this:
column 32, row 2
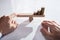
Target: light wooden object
column 36, row 14
column 30, row 16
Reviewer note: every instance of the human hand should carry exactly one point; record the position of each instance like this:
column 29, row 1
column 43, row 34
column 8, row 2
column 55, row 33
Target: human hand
column 7, row 25
column 54, row 33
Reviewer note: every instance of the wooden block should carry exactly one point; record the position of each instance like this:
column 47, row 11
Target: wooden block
column 42, row 11
column 39, row 12
column 30, row 18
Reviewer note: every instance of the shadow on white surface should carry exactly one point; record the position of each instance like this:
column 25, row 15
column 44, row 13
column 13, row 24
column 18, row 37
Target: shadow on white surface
column 38, row 35
column 20, row 32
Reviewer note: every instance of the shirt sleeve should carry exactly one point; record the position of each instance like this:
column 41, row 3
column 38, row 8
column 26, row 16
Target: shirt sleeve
column 0, row 35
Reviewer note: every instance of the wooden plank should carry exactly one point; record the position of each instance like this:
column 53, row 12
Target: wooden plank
column 30, row 15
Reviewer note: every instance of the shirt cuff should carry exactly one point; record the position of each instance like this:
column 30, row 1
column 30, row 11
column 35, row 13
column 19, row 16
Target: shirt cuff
column 0, row 34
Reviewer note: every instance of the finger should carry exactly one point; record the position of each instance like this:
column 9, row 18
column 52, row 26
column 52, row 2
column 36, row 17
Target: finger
column 14, row 23
column 49, row 24
column 53, row 27
column 58, row 26
column 12, row 15
column 46, row 33
column 52, row 30
column 44, row 24
column 55, row 23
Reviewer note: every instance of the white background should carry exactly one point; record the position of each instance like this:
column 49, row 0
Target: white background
column 52, row 8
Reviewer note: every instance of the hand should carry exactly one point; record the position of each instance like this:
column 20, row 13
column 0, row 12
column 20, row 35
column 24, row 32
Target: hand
column 7, row 25
column 54, row 33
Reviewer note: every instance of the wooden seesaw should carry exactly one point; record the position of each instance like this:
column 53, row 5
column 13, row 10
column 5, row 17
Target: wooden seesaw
column 36, row 14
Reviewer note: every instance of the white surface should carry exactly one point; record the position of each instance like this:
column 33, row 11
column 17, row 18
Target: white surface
column 27, row 6
column 5, row 7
